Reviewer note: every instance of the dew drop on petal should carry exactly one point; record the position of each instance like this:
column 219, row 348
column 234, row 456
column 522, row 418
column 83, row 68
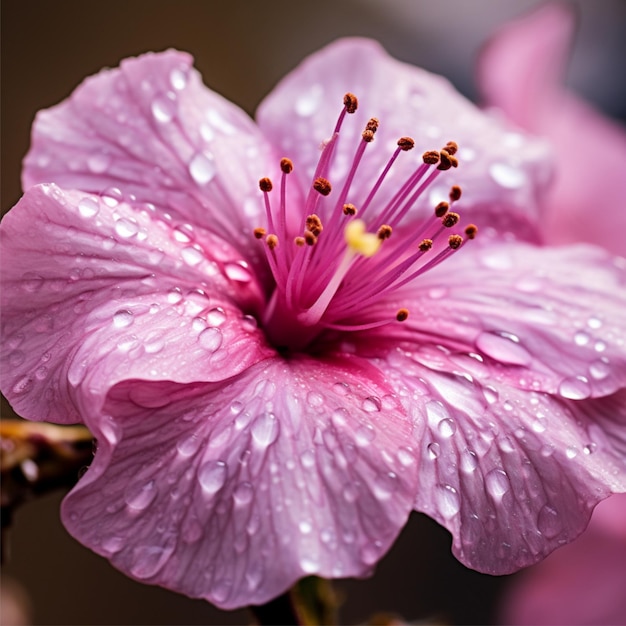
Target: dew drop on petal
column 581, row 338
column 571, row 452
column 212, row 476
column 508, row 176
column 384, row 485
column 192, row 256
column 113, row 544
column 491, row 394
column 211, row 339
column 265, row 429
column 189, row 445
column 364, row 435
column 163, row 109
column 372, row 404
column 202, row 168
column 503, row 347
column 600, row 369
column 309, row 101
column 314, row 399
column 126, row 228
column 594, row 322
column 549, row 522
column 99, row 163
column 23, row 385
column 178, row 79
column 238, row 272
column 308, row 459
column 216, row 316
column 446, row 428
column 88, row 207
column 469, row 461
column 138, row 497
column 309, row 565
column 148, row 560
column 434, row 450
column 447, row 501
column 122, row 318
column 243, row 494
column 497, row 483
column 575, row 388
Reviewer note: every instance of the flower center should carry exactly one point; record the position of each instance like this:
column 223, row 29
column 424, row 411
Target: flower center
column 342, row 269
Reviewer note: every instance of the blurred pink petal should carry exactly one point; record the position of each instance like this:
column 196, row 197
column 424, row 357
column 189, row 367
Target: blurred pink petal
column 275, row 383
column 521, row 72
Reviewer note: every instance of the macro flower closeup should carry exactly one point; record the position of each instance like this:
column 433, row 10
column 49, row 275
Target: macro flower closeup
column 286, row 336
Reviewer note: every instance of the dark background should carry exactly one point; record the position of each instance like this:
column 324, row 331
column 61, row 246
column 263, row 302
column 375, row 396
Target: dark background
column 242, row 48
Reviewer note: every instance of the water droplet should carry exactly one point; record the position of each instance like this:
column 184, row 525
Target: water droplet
column 308, row 459
column 23, row 385
column 249, row 323
column 308, row 565
column 192, row 256
column 238, row 272
column 503, row 347
column 340, row 417
column 309, row 101
column 581, row 338
column 549, row 522
column 350, row 492
column 575, row 388
column 265, row 429
column 211, row 339
column 497, row 483
column 600, row 369
column 126, row 227
column 305, row 527
column 433, row 450
column 314, row 398
column 222, row 590
column 594, row 322
column 364, row 435
column 164, row 108
column 372, row 404
column 123, row 318
column 369, row 553
column 202, row 168
column 113, row 544
column 405, row 456
column 590, row 448
column 216, row 316
column 571, row 452
column 599, row 346
column 243, row 494
column 341, row 389
column 384, row 485
column 98, row 163
column 469, row 461
column 178, row 78
column 446, row 428
column 148, row 560
column 508, row 176
column 189, row 445
column 212, row 476
column 447, row 501
column 491, row 394
column 139, row 497
column 88, row 207
column 41, row 372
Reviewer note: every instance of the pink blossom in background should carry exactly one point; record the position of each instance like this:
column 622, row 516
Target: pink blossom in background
column 581, row 583
column 521, row 71
column 261, row 412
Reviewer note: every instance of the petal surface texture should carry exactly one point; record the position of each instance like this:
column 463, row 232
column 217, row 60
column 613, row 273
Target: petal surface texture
column 521, row 72
column 231, row 492
column 501, row 172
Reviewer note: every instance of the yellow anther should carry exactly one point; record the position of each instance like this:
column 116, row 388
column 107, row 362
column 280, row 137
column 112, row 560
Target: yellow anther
column 359, row 240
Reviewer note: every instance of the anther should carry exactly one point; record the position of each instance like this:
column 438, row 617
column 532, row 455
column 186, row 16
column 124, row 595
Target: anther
column 445, row 160
column 402, row 315
column 441, row 209
column 406, row 143
column 372, row 124
column 349, row 209
column 431, row 157
column 322, row 186
column 351, row 102
column 451, row 147
column 286, row 165
column 471, row 231
column 384, row 232
column 455, row 193
column 455, row 241
column 426, row 245
column 299, row 241
column 265, row 184
column 309, row 238
column 271, row 241
column 314, row 224
column 367, row 136
column 259, row 233
column 450, row 219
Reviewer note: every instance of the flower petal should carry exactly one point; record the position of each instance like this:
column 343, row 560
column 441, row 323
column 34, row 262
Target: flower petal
column 152, row 130
column 548, row 319
column 92, row 292
column 501, row 171
column 521, row 71
column 231, row 492
column 513, row 474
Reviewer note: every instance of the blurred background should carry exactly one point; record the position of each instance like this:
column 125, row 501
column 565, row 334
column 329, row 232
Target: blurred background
column 242, row 48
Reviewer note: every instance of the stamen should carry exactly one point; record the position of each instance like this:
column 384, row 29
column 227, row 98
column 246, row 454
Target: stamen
column 259, row 232
column 368, row 136
column 471, row 230
column 286, row 165
column 349, row 209
column 455, row 193
column 299, row 241
column 451, row 147
column 271, row 241
column 431, row 157
column 351, row 102
column 384, row 232
column 265, row 185
column 402, row 315
column 309, row 238
column 450, row 219
column 372, row 124
column 455, row 241
column 426, row 245
column 314, row 224
column 322, row 186
column 441, row 209
column 406, row 143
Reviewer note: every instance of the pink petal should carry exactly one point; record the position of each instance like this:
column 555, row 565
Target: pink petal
column 94, row 294
column 582, row 583
column 512, row 473
column 501, row 171
column 521, row 72
column 546, row 319
column 231, row 492
column 151, row 129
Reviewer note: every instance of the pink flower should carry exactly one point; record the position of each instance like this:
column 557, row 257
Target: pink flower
column 582, row 583
column 520, row 72
column 262, row 411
